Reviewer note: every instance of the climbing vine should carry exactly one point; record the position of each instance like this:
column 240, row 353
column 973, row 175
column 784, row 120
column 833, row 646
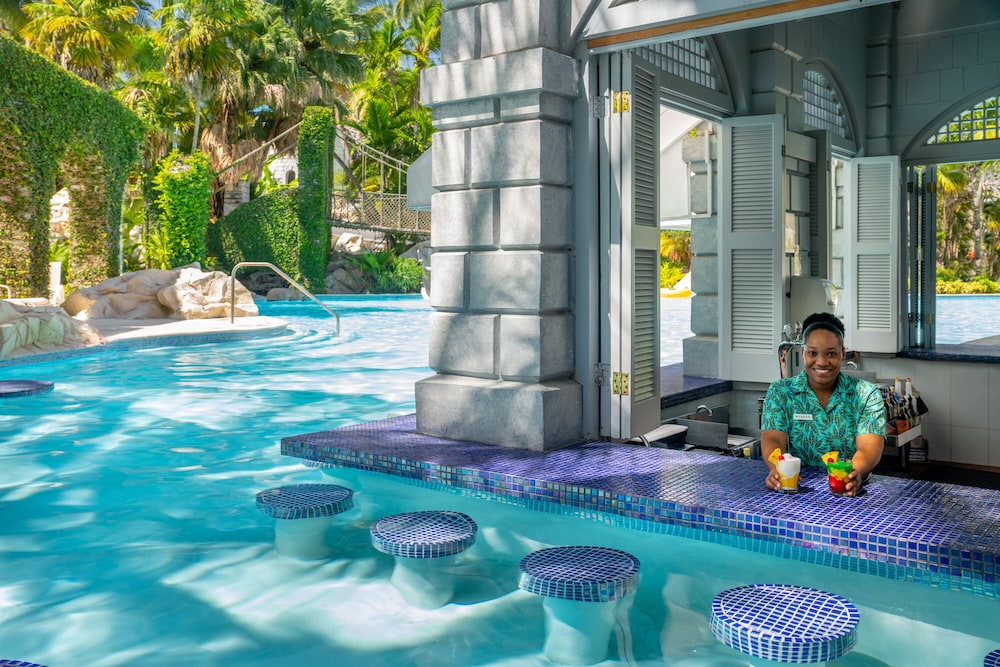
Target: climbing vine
column 315, row 146
column 184, row 184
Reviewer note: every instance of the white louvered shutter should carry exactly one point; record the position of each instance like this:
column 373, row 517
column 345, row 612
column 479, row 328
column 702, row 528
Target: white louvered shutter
column 629, row 183
column 751, row 248
column 871, row 265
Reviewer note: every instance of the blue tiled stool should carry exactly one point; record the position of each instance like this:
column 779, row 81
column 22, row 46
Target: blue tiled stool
column 18, row 388
column 302, row 513
column 18, row 663
column 992, row 659
column 785, row 623
column 424, row 544
column 580, row 588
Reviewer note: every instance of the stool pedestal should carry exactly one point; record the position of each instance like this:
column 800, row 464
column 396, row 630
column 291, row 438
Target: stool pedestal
column 424, row 582
column 578, row 633
column 302, row 514
column 424, row 546
column 304, row 539
column 581, row 589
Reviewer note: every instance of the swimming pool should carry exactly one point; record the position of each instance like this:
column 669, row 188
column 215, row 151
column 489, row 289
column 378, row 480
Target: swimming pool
column 130, row 535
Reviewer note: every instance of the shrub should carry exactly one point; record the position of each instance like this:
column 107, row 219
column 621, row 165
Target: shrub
column 978, row 285
column 388, row 274
column 670, row 273
column 263, row 230
column 405, row 276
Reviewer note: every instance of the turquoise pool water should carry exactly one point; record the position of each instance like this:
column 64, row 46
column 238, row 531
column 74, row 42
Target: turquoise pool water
column 130, row 536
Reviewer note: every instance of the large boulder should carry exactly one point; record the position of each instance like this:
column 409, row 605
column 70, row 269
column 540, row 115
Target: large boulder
column 184, row 293
column 33, row 329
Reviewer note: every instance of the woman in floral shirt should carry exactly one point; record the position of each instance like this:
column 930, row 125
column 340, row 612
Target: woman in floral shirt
column 821, row 410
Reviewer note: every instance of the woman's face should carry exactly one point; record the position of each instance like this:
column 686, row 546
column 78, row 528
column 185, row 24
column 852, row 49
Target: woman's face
column 823, row 355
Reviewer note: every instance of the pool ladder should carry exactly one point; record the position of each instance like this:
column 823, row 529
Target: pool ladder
column 7, row 287
column 232, row 290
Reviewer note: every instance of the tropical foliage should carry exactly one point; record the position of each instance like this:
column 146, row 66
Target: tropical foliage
column 224, row 77
column 675, row 256
column 968, row 227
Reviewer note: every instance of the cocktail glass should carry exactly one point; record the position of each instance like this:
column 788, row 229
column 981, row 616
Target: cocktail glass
column 788, row 473
column 837, row 473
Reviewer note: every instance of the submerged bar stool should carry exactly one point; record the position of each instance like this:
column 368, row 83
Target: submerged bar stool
column 992, row 659
column 18, row 663
column 302, row 513
column 781, row 623
column 423, row 544
column 580, row 587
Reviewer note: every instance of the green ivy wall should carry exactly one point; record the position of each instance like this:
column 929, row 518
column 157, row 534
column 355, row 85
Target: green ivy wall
column 53, row 124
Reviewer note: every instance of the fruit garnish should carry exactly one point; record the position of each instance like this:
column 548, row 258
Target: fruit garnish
column 831, row 456
column 775, row 455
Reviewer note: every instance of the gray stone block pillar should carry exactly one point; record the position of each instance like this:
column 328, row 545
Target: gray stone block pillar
column 502, row 336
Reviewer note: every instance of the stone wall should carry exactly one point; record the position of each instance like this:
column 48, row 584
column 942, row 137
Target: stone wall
column 501, row 341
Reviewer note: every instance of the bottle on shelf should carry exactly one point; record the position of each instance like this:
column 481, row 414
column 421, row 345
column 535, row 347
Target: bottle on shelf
column 911, row 401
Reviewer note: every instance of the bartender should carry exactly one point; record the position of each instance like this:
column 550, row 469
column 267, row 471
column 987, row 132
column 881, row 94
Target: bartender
column 821, row 410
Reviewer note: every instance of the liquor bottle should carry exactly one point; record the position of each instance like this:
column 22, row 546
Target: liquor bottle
column 911, row 400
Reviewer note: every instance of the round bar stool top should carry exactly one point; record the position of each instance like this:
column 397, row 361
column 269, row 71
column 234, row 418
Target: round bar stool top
column 15, row 388
column 18, row 663
column 424, row 534
column 580, row 573
column 992, row 659
column 785, row 623
column 305, row 501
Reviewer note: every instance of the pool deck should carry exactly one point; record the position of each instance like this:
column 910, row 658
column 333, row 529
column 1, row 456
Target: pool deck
column 938, row 534
column 135, row 334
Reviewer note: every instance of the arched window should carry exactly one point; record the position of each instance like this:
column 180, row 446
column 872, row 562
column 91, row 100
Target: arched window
column 980, row 123
column 823, row 106
column 692, row 73
column 289, row 176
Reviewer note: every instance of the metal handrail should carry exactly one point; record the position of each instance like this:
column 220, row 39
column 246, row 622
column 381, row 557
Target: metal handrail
column 9, row 293
column 232, row 290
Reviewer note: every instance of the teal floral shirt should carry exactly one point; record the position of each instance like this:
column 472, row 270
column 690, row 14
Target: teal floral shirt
column 856, row 407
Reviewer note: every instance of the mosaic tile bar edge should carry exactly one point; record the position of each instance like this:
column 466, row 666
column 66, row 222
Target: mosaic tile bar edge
column 942, row 563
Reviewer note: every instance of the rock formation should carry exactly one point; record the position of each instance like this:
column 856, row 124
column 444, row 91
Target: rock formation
column 33, row 329
column 184, row 293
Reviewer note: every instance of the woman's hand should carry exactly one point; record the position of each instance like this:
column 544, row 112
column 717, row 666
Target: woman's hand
column 854, row 482
column 771, row 481
column 769, row 441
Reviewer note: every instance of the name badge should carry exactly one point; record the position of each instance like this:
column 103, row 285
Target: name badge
column 802, row 417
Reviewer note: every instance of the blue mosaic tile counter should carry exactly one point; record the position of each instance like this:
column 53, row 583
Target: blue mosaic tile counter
column 938, row 534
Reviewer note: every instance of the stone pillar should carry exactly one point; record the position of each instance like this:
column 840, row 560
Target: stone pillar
column 701, row 351
column 501, row 339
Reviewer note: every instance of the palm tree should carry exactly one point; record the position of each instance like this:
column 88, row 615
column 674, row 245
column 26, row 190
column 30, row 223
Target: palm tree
column 952, row 206
column 12, row 18
column 303, row 55
column 424, row 33
column 200, row 39
column 90, row 38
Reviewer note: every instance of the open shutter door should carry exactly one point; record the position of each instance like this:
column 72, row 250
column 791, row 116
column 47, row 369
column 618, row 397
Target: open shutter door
column 751, row 248
column 872, row 251
column 629, row 172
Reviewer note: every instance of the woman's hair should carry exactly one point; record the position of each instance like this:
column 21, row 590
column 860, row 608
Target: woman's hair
column 826, row 322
